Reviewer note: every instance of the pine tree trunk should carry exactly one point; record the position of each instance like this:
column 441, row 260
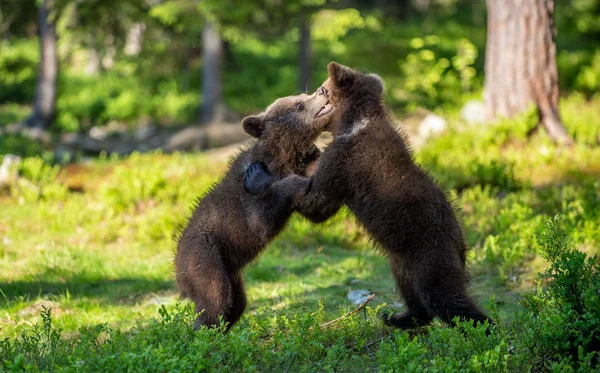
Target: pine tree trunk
column 45, row 93
column 212, row 58
column 304, row 55
column 520, row 63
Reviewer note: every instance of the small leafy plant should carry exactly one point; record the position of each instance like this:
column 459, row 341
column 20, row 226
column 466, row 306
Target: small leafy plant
column 564, row 317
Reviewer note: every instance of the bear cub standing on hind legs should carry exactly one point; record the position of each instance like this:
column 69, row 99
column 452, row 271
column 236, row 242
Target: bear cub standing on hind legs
column 229, row 226
column 369, row 167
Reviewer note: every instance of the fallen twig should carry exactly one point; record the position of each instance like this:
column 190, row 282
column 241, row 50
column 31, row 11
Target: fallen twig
column 363, row 305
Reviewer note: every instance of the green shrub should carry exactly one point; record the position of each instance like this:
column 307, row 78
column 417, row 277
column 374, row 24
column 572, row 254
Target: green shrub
column 19, row 145
column 13, row 113
column 513, row 245
column 563, row 328
column 433, row 75
column 445, row 159
column 38, row 181
column 170, row 105
column 581, row 116
column 122, row 97
column 130, row 185
column 461, row 349
column 18, row 70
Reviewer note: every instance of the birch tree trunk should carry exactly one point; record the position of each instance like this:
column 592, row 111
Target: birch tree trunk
column 45, row 92
column 520, row 63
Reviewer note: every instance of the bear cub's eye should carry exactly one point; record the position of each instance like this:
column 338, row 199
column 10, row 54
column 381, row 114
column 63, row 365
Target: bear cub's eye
column 300, row 106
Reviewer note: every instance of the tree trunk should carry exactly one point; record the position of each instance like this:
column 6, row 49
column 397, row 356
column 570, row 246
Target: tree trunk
column 94, row 62
column 304, row 55
column 520, row 63
column 212, row 58
column 45, row 93
column 135, row 39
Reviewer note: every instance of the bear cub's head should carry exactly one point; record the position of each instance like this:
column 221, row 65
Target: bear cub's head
column 349, row 88
column 286, row 131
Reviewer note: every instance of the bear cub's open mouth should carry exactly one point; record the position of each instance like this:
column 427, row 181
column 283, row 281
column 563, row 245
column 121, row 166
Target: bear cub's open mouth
column 324, row 109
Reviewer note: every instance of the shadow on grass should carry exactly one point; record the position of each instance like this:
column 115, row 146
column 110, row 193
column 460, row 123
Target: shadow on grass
column 106, row 291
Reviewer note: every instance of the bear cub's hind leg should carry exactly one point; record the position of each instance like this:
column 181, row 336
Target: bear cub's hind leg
column 238, row 304
column 417, row 313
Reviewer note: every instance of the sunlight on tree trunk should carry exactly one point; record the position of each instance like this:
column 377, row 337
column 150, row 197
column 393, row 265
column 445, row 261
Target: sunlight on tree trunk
column 212, row 58
column 45, row 95
column 304, row 55
column 520, row 63
column 94, row 62
column 135, row 39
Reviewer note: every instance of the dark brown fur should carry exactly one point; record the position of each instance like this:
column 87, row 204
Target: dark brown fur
column 369, row 167
column 230, row 227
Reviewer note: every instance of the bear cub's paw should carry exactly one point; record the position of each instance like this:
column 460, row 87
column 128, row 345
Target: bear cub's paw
column 257, row 179
column 405, row 320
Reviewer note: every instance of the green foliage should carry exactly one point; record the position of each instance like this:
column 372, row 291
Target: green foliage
column 580, row 16
column 508, row 250
column 331, row 25
column 130, row 184
column 463, row 349
column 564, row 319
column 12, row 114
column 119, row 96
column 580, row 117
column 161, row 83
column 580, row 70
column 102, row 259
column 431, row 78
column 18, row 70
column 19, row 145
column 588, row 79
column 38, row 181
column 488, row 164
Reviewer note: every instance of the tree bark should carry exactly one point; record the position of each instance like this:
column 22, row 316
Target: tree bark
column 212, row 58
column 304, row 55
column 520, row 63
column 45, row 93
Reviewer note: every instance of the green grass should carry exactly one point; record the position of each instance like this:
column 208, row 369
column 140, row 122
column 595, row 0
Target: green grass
column 86, row 271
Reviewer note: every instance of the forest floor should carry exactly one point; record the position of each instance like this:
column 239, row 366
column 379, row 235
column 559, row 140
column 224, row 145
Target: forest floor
column 86, row 262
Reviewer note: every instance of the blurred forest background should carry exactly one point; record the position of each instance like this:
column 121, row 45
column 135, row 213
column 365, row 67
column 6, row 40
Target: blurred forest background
column 135, row 63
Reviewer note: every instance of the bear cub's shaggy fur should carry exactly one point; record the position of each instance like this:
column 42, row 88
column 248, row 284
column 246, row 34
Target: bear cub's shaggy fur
column 369, row 167
column 229, row 226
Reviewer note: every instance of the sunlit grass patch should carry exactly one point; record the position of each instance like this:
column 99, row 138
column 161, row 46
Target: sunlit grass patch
column 94, row 243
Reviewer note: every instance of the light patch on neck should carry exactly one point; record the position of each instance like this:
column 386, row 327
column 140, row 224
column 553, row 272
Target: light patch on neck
column 358, row 126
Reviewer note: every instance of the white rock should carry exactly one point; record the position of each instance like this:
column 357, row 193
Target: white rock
column 473, row 112
column 358, row 297
column 432, row 125
column 98, row 133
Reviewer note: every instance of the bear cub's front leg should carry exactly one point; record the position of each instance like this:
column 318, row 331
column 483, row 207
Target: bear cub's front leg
column 258, row 181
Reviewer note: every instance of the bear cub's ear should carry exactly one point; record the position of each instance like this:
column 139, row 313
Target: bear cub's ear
column 340, row 74
column 253, row 125
column 374, row 83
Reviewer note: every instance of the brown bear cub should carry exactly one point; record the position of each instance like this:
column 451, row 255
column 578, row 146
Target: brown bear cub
column 229, row 226
column 369, row 167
